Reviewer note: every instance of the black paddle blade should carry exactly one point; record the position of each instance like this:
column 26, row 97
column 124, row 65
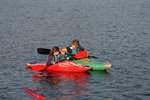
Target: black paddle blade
column 43, row 51
column 93, row 57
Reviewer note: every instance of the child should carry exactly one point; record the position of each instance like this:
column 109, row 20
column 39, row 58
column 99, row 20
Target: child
column 65, row 55
column 75, row 47
column 54, row 56
column 63, row 52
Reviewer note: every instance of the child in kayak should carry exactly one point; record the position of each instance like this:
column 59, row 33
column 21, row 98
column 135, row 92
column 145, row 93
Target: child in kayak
column 75, row 47
column 57, row 55
column 54, row 56
column 63, row 55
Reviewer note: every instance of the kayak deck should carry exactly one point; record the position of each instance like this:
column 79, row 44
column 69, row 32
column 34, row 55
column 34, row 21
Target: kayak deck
column 65, row 66
column 93, row 64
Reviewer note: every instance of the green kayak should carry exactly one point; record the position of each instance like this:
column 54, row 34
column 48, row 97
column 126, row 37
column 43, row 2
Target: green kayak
column 94, row 64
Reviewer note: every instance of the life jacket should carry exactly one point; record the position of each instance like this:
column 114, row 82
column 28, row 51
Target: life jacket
column 56, row 58
column 63, row 57
column 76, row 50
column 53, row 59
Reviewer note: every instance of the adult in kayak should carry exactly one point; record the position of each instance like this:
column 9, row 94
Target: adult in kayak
column 74, row 51
column 75, row 47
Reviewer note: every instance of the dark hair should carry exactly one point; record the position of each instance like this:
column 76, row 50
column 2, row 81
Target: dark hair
column 54, row 49
column 75, row 42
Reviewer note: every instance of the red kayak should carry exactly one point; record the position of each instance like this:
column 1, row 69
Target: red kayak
column 81, row 54
column 66, row 66
column 37, row 67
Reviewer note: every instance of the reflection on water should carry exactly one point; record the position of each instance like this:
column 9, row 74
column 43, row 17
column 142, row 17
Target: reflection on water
column 67, row 85
column 99, row 74
column 79, row 79
column 34, row 94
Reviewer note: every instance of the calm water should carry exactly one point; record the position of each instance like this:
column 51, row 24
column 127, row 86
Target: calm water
column 113, row 30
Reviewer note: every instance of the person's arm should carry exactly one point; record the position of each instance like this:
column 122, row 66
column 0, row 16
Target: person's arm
column 49, row 60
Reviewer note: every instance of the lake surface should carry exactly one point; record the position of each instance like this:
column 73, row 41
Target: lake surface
column 113, row 30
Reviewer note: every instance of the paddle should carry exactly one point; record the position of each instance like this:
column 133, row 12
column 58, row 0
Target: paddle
column 45, row 51
column 93, row 57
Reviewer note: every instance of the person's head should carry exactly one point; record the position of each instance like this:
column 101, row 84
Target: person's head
column 75, row 43
column 54, row 51
column 63, row 51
